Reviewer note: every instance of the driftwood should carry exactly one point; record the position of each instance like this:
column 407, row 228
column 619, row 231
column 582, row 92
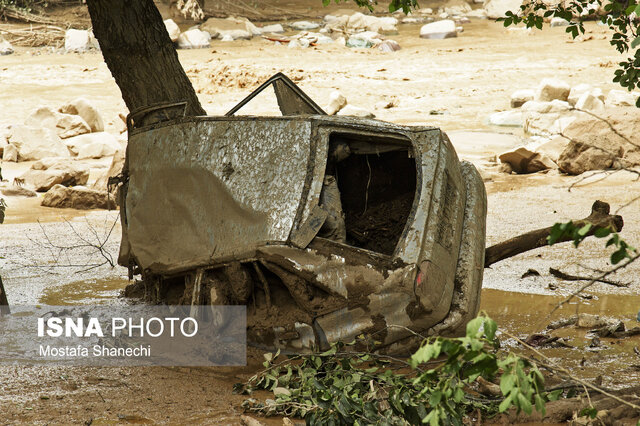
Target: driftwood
column 599, row 218
column 568, row 277
column 4, row 303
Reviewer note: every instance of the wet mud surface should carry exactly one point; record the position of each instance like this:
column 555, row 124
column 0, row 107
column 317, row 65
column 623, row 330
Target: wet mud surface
column 453, row 83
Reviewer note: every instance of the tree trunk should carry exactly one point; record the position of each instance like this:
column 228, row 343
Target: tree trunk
column 140, row 55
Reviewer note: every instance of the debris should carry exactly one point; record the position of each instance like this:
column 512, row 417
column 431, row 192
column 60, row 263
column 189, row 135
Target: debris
column 530, row 273
column 595, row 321
column 337, row 101
column 5, row 47
column 389, row 46
column 439, row 30
column 568, row 277
column 599, row 218
column 250, row 421
column 563, row 323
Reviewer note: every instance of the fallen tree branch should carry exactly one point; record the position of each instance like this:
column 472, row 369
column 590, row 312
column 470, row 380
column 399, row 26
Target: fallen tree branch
column 599, row 218
column 568, row 277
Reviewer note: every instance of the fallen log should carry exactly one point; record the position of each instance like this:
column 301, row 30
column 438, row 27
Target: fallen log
column 4, row 303
column 599, row 218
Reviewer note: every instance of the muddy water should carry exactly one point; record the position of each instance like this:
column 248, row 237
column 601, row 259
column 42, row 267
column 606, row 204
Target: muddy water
column 613, row 359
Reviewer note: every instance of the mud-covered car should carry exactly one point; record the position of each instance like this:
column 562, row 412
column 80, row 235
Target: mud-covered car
column 325, row 227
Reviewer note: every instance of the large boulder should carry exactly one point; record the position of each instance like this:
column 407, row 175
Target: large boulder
column 10, row 153
column 578, row 91
column 455, row 8
column 93, row 145
column 172, row 29
column 498, row 8
column 52, row 171
column 547, row 118
column 17, row 191
column 552, row 88
column 87, row 111
column 65, row 125
column 35, row 143
column 77, row 197
column 194, row 39
column 591, row 102
column 520, row 97
column 593, row 145
column 439, row 30
column 526, row 159
column 117, row 163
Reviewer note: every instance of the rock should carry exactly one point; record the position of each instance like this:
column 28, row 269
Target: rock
column 506, row 118
column 594, row 321
column 355, row 111
column 525, row 159
column 361, row 22
column 364, row 39
column 18, row 191
column 226, row 37
column 65, row 125
column 194, row 39
column 77, row 197
column 498, row 8
column 455, row 8
column 552, row 88
column 577, row 91
column 546, row 124
column 5, row 47
column 10, row 153
column 172, row 29
column 520, row 97
column 594, row 146
column 294, row 43
column 559, row 22
column 79, row 41
column 337, row 101
column 35, row 143
column 589, row 101
column 478, row 13
column 86, row 110
column 546, row 107
column 389, row 46
column 117, row 163
column 439, row 30
column 305, row 26
column 553, row 147
column 234, row 27
column 93, row 145
column 621, row 98
column 275, row 28
column 52, row 171
column 357, row 42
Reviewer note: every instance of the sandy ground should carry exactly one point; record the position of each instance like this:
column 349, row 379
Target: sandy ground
column 453, row 83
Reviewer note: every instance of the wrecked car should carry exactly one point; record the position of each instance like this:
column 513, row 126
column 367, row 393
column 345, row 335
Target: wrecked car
column 326, row 227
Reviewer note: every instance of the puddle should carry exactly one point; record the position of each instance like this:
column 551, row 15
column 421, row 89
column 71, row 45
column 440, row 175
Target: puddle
column 615, row 359
column 89, row 292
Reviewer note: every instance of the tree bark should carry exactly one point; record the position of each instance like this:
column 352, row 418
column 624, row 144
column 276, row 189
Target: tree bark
column 599, row 218
column 140, row 55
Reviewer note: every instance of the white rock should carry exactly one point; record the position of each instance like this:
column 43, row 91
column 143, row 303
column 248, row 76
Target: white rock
column 546, row 107
column 578, row 91
column 5, row 47
column 411, row 20
column 559, row 22
column 93, row 145
column 294, row 43
column 439, row 30
column 498, row 8
column 275, row 28
column 477, row 13
column 85, row 109
column 455, row 8
column 194, row 39
column 354, row 111
column 77, row 197
column 337, row 101
column 238, row 28
column 621, row 98
column 10, row 153
column 552, row 88
column 65, row 125
column 304, row 26
column 304, row 42
column 226, row 37
column 172, row 29
column 553, row 147
column 77, row 41
column 425, row 11
column 35, row 143
column 506, row 118
column 235, row 34
column 589, row 101
column 520, row 97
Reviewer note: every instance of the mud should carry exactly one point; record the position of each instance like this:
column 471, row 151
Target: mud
column 454, row 84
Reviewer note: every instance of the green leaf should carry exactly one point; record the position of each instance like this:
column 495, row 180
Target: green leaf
column 602, row 232
column 507, row 382
column 618, row 256
column 473, row 327
column 525, row 404
column 490, row 328
column 553, row 396
column 505, row 404
column 540, row 406
column 584, row 230
column 635, row 42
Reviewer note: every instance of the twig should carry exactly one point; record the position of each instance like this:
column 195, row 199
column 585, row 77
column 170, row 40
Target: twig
column 568, row 277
